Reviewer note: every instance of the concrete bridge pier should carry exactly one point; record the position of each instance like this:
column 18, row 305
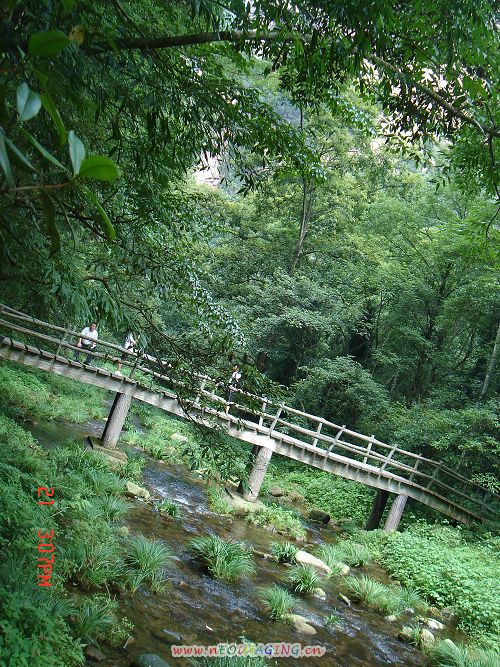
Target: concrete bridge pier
column 116, row 419
column 262, row 458
column 378, row 507
column 396, row 512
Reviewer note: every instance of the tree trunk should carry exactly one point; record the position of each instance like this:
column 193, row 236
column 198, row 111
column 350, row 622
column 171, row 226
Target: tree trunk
column 491, row 365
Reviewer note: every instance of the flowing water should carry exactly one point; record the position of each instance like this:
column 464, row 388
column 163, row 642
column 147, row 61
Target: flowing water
column 197, row 609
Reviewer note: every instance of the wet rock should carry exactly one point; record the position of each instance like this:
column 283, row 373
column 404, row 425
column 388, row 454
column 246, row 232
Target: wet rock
column 130, row 640
column 426, row 638
column 276, row 491
column 319, row 517
column 149, row 660
column 123, row 530
column 300, row 624
column 434, row 625
column 167, row 636
column 93, row 654
column 449, row 614
column 406, row 634
column 319, row 593
column 342, row 568
column 345, row 599
column 392, row 618
column 244, row 507
column 136, row 491
column 178, row 437
column 308, row 559
column 183, row 584
column 264, row 555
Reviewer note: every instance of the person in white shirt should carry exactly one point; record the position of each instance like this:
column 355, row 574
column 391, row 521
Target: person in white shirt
column 233, row 382
column 86, row 345
column 129, row 345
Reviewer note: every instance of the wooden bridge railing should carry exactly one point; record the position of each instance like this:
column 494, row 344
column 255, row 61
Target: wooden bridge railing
column 267, row 417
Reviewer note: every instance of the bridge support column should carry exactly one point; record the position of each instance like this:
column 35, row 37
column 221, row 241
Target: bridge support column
column 378, row 507
column 262, row 458
column 396, row 512
column 116, row 419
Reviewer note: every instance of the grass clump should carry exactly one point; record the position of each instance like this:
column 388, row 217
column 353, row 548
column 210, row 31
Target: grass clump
column 217, row 501
column 284, row 552
column 447, row 654
column 278, row 601
column 146, row 560
column 224, row 560
column 329, row 554
column 303, row 579
column 280, row 519
column 370, row 592
column 168, row 507
column 354, row 554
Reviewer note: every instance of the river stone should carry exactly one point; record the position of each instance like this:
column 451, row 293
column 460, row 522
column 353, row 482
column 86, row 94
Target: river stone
column 244, row 506
column 276, row 491
column 137, row 491
column 319, row 593
column 406, row 634
column 319, row 516
column 434, row 625
column 426, row 638
column 308, row 559
column 178, row 437
column 123, row 530
column 167, row 636
column 149, row 660
column 93, row 653
column 300, row 624
column 392, row 618
column 295, row 497
column 345, row 599
column 342, row 568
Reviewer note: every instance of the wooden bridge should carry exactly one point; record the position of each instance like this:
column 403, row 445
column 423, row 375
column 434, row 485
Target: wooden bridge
column 267, row 425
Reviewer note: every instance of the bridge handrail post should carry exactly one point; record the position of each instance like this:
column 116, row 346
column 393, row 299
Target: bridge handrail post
column 368, row 449
column 318, row 431
column 337, row 438
column 200, row 389
column 434, row 475
column 63, row 340
column 275, row 419
column 388, row 458
column 261, row 416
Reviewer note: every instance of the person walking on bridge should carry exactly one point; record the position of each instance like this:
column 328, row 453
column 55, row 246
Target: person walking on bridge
column 234, row 381
column 129, row 346
column 86, row 343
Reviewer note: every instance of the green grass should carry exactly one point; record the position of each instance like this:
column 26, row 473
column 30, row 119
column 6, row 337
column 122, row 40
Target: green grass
column 329, row 554
column 277, row 601
column 34, row 394
column 224, row 560
column 168, row 507
column 284, row 552
column 280, row 519
column 217, row 501
column 382, row 598
column 146, row 560
column 303, row 579
column 354, row 554
column 448, row 654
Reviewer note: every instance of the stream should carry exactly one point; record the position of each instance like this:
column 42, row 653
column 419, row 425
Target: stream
column 197, row 609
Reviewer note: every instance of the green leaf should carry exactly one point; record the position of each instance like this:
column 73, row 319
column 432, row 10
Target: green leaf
column 50, row 107
column 18, row 158
column 49, row 213
column 28, row 102
column 68, row 4
column 43, row 150
column 47, row 43
column 100, row 167
column 76, row 152
column 4, row 162
column 106, row 224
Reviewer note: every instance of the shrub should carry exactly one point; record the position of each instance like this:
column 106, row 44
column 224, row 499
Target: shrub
column 94, row 618
column 284, row 552
column 278, row 601
column 303, row 579
column 224, row 560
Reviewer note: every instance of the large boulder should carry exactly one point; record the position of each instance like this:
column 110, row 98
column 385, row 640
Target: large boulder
column 406, row 634
column 426, row 638
column 136, row 491
column 178, row 437
column 434, row 625
column 305, row 558
column 149, row 660
column 276, row 491
column 300, row 624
